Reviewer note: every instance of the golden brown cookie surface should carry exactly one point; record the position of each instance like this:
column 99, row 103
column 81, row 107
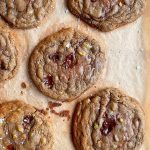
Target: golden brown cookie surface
column 22, row 127
column 107, row 15
column 8, row 55
column 108, row 120
column 66, row 64
column 25, row 13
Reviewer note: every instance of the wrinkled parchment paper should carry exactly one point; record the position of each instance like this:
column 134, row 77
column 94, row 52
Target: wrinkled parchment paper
column 125, row 67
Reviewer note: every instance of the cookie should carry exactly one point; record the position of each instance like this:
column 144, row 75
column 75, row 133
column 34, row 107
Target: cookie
column 107, row 15
column 8, row 55
column 66, row 64
column 110, row 120
column 23, row 127
column 25, row 13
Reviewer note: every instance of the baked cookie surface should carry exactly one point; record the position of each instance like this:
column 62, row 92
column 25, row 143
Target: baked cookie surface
column 8, row 55
column 66, row 63
column 22, row 127
column 109, row 120
column 107, row 15
column 25, row 13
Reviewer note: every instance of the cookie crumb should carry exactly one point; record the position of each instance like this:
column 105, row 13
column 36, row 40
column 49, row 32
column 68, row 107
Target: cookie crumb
column 42, row 111
column 63, row 113
column 23, row 85
column 21, row 92
column 53, row 105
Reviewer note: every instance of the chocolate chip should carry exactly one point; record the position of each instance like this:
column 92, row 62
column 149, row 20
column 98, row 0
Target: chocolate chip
column 49, row 81
column 28, row 121
column 23, row 85
column 108, row 124
column 2, row 66
column 93, row 0
column 69, row 61
column 55, row 57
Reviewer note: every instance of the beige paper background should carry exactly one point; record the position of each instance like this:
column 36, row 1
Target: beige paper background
column 146, row 27
column 125, row 66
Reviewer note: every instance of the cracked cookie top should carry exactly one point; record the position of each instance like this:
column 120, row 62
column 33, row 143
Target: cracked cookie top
column 108, row 120
column 8, row 55
column 107, row 15
column 25, row 13
column 23, row 127
column 66, row 63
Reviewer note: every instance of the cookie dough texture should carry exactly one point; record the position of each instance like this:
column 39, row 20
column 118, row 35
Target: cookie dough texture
column 25, row 13
column 22, row 127
column 8, row 55
column 109, row 120
column 66, row 64
column 107, row 15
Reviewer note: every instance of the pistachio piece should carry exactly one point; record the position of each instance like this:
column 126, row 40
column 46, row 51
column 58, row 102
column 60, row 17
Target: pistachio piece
column 96, row 125
column 43, row 141
column 23, row 136
column 14, row 135
column 82, row 52
column 121, row 120
column 20, row 128
column 87, row 45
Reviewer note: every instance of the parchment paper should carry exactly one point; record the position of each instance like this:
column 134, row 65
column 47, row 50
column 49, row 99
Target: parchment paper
column 125, row 67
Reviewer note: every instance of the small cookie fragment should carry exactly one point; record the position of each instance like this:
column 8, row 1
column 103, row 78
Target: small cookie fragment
column 8, row 55
column 107, row 15
column 66, row 64
column 26, row 13
column 23, row 127
column 23, row 85
column 97, row 126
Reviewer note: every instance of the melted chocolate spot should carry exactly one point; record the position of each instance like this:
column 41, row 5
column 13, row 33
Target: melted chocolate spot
column 2, row 66
column 49, row 81
column 69, row 61
column 55, row 57
column 108, row 124
column 28, row 121
column 10, row 147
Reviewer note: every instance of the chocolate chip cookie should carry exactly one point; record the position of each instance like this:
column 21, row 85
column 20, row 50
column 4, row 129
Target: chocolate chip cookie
column 107, row 15
column 23, row 127
column 25, row 13
column 109, row 120
column 8, row 55
column 66, row 64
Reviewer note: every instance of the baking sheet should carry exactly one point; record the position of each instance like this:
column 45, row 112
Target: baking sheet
column 125, row 67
